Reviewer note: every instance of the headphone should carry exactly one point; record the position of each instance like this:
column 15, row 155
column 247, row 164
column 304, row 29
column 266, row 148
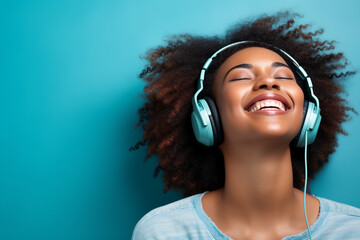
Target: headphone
column 206, row 121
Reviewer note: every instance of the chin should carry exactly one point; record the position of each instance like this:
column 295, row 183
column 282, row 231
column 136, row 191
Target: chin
column 276, row 133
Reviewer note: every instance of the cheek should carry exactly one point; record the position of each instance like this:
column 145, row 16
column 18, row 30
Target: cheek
column 230, row 101
column 230, row 108
column 298, row 103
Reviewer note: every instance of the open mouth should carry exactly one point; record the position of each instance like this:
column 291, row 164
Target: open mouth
column 268, row 102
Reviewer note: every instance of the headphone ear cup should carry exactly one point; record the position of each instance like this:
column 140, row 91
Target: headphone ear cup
column 215, row 121
column 311, row 118
column 201, row 124
column 295, row 141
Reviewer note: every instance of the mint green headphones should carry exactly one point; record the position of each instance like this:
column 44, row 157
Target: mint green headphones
column 206, row 121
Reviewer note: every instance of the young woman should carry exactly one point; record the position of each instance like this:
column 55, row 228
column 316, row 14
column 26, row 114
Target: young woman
column 253, row 111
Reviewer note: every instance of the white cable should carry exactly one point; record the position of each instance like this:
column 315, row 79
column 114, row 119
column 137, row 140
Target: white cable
column 306, row 175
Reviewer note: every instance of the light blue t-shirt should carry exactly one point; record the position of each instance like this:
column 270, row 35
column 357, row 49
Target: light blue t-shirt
column 186, row 219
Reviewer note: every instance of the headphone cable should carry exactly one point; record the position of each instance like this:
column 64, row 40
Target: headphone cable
column 306, row 175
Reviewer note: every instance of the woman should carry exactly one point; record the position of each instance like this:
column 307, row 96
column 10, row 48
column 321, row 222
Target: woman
column 245, row 179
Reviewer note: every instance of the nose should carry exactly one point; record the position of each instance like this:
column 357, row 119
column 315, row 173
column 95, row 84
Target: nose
column 267, row 83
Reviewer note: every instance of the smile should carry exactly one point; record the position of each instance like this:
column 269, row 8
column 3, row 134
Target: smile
column 270, row 103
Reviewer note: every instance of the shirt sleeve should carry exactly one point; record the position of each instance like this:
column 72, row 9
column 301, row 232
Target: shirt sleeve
column 151, row 228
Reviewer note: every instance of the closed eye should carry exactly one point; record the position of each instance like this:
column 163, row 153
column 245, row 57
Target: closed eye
column 239, row 79
column 236, row 79
column 284, row 78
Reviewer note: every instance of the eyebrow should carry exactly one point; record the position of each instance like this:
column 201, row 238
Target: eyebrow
column 249, row 66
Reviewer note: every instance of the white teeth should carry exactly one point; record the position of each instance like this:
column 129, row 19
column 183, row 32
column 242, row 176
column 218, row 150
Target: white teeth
column 268, row 103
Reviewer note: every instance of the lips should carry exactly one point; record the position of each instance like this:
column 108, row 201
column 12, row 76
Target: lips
column 268, row 96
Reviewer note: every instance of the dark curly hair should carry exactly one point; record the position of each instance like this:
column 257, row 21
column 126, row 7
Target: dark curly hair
column 172, row 76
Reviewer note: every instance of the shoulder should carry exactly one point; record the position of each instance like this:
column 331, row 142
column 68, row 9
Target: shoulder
column 177, row 219
column 337, row 208
column 340, row 221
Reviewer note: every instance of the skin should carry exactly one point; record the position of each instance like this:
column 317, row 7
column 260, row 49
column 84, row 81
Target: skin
column 258, row 200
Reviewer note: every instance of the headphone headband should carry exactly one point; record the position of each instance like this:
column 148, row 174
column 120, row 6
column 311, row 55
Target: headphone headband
column 206, row 120
column 301, row 70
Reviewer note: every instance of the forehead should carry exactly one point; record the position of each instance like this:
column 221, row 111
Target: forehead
column 251, row 55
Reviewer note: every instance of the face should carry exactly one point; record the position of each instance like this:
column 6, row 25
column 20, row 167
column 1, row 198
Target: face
column 257, row 97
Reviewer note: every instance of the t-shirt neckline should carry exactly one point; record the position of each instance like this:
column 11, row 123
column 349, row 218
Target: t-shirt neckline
column 218, row 235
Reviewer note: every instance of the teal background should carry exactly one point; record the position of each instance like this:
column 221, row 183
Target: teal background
column 68, row 98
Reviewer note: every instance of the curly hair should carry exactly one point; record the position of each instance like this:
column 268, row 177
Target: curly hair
column 172, row 76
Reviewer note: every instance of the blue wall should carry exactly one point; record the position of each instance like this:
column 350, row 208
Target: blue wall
column 68, row 97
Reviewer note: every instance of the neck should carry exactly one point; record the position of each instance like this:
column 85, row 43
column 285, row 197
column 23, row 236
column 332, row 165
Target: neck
column 258, row 184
